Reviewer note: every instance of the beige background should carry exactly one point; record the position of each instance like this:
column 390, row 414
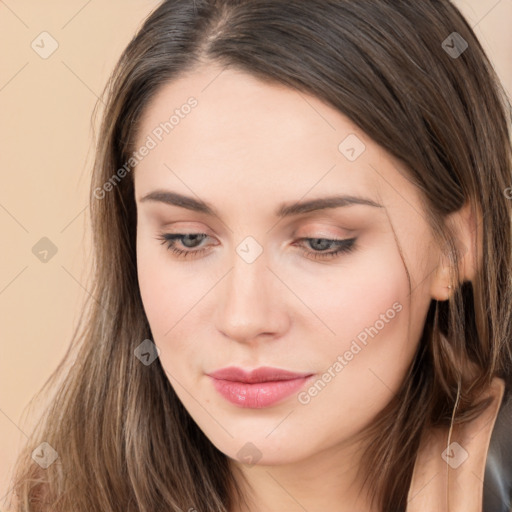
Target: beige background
column 46, row 105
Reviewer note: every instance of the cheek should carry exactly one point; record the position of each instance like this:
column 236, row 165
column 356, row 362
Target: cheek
column 364, row 363
column 153, row 285
column 351, row 295
column 367, row 309
column 171, row 298
column 161, row 290
column 378, row 282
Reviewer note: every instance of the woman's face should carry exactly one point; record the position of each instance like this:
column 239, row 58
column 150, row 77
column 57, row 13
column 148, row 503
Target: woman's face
column 259, row 283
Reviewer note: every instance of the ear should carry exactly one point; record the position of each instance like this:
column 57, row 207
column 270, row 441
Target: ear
column 466, row 226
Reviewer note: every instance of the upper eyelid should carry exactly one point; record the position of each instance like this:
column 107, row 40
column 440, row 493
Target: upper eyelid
column 334, row 219
column 318, row 229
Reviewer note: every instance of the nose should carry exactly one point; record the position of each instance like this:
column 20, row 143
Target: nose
column 251, row 302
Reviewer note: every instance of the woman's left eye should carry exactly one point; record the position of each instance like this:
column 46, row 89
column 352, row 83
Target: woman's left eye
column 191, row 240
column 344, row 245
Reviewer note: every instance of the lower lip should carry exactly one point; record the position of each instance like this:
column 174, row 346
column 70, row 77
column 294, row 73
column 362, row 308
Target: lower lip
column 259, row 394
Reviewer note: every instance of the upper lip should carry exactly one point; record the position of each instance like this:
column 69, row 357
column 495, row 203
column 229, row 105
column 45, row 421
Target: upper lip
column 262, row 374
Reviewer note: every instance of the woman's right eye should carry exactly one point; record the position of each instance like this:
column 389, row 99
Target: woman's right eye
column 170, row 240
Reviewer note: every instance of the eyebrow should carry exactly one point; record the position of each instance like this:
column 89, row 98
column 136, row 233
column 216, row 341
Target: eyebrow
column 284, row 210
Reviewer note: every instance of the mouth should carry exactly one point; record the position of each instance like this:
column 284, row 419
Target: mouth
column 258, row 388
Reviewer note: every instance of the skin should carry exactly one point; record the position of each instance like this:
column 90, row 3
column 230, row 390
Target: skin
column 247, row 147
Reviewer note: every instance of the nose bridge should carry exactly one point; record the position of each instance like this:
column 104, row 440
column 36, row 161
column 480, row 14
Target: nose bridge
column 247, row 284
column 247, row 307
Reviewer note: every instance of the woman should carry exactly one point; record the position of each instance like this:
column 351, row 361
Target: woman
column 302, row 294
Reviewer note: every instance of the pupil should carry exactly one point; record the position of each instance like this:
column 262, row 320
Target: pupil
column 190, row 238
column 322, row 242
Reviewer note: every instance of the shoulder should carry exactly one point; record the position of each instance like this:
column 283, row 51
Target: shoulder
column 449, row 468
column 498, row 468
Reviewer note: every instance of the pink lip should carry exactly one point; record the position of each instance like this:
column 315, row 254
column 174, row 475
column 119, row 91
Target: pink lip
column 258, row 388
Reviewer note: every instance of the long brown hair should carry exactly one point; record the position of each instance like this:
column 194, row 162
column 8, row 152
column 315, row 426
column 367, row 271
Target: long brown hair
column 398, row 71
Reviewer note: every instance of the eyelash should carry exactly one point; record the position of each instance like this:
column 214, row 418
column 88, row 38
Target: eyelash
column 344, row 246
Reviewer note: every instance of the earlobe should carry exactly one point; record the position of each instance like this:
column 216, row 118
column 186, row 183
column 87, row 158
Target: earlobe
column 441, row 288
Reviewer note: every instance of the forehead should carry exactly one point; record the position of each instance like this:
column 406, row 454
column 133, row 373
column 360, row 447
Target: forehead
column 256, row 139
